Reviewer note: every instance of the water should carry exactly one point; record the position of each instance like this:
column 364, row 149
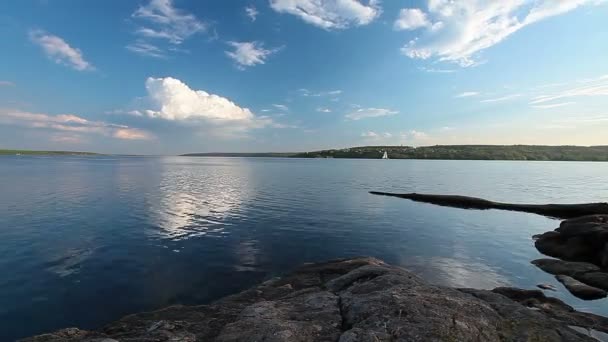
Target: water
column 86, row 240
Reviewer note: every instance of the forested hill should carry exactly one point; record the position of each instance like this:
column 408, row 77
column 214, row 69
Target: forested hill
column 468, row 152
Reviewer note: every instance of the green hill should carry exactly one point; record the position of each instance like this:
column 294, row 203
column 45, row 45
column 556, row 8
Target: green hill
column 468, row 152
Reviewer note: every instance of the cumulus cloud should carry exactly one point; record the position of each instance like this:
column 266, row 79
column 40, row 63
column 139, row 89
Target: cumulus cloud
column 251, row 12
column 247, row 54
column 161, row 21
column 456, row 31
column 364, row 113
column 467, row 94
column 172, row 99
column 323, row 110
column 59, row 51
column 71, row 123
column 330, row 14
column 411, row 19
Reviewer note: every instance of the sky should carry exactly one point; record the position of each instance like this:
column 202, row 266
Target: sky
column 181, row 76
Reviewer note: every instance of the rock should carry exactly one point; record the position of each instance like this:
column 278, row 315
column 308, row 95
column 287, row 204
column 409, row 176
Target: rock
column 595, row 279
column 546, row 287
column 555, row 266
column 353, row 300
column 578, row 239
column 579, row 289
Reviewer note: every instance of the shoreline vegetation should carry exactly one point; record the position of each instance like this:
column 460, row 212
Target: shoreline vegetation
column 445, row 152
column 438, row 152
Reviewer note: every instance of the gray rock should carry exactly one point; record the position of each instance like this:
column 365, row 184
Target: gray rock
column 579, row 289
column 578, row 239
column 570, row 268
column 354, row 300
column 595, row 279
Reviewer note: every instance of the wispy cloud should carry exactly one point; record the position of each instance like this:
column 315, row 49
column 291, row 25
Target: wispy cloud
column 305, row 92
column 331, row 14
column 554, row 105
column 467, row 94
column 437, row 70
column 591, row 87
column 502, row 98
column 280, row 107
column 251, row 12
column 364, row 113
column 247, row 54
column 323, row 110
column 162, row 22
column 146, row 49
column 59, row 51
column 457, row 31
column 6, row 84
column 71, row 123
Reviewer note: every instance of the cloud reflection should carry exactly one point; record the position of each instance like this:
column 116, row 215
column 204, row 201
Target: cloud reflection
column 197, row 201
column 456, row 272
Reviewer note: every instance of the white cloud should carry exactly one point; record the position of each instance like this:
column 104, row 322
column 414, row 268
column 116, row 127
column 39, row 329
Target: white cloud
column 146, row 49
column 591, row 87
column 161, row 22
column 167, row 22
column 363, row 113
column 280, row 107
column 411, row 19
column 6, row 84
column 307, row 93
column 323, row 110
column 437, row 71
column 554, row 105
column 456, row 31
column 248, row 54
column 502, row 98
column 251, row 12
column 330, row 14
column 71, row 123
column 171, row 99
column 59, row 51
column 467, row 94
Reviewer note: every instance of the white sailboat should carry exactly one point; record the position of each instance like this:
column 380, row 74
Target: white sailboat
column 385, row 155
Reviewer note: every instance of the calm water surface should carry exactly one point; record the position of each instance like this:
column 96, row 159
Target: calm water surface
column 86, row 240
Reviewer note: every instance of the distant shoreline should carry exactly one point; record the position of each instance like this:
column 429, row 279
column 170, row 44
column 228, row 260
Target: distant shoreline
column 438, row 152
column 46, row 153
column 443, row 152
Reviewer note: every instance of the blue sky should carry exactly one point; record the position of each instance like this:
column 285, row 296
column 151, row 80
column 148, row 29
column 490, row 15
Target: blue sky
column 167, row 77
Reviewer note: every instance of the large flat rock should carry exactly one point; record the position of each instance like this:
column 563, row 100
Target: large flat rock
column 361, row 299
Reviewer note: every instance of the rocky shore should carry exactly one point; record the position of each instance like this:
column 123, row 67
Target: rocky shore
column 361, row 299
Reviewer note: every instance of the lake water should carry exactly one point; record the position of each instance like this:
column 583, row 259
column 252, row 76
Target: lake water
column 86, row 240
